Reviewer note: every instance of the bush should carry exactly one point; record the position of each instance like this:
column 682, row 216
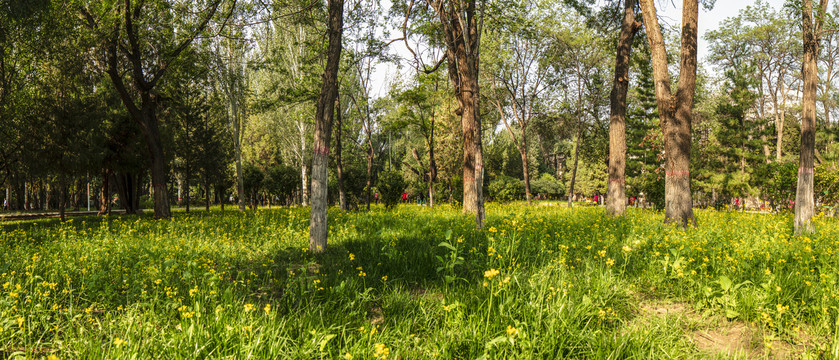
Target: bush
column 547, row 185
column 505, row 188
column 391, row 184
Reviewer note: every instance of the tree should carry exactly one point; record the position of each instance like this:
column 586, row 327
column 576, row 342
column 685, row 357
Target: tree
column 366, row 112
column 459, row 24
column 417, row 110
column 518, row 71
column 580, row 68
column 804, row 194
column 230, row 50
column 616, row 189
column 318, row 226
column 143, row 39
column 675, row 111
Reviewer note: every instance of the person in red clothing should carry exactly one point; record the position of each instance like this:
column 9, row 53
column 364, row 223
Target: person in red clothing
column 404, row 197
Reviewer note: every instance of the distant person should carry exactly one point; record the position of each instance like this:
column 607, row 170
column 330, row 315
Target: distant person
column 376, row 196
column 404, row 197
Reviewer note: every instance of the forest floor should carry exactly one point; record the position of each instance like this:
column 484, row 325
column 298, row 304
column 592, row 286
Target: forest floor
column 419, row 283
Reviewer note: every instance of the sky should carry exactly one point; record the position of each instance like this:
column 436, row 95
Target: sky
column 670, row 12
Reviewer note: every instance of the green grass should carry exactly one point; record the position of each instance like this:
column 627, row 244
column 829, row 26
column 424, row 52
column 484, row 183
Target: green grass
column 539, row 282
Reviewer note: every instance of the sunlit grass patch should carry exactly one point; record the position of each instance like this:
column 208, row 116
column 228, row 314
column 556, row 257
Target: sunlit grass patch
column 414, row 283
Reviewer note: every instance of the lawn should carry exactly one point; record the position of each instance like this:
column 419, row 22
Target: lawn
column 542, row 282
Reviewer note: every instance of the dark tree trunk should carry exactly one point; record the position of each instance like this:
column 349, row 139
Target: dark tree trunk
column 432, row 166
column 207, row 195
column 318, row 226
column 126, row 189
column 339, row 161
column 804, row 194
column 105, row 202
column 62, row 196
column 616, row 191
column 675, row 112
column 187, row 175
column 77, row 194
column 159, row 168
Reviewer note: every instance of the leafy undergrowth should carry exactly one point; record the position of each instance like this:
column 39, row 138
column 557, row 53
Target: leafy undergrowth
column 417, row 283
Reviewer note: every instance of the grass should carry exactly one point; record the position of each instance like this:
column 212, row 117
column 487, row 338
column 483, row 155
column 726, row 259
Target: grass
column 539, row 282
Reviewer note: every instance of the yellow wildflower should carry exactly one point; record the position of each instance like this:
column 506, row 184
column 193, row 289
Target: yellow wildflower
column 512, row 331
column 382, row 351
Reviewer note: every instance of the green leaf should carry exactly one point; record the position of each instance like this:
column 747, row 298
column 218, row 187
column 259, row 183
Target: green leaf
column 725, row 283
column 326, row 340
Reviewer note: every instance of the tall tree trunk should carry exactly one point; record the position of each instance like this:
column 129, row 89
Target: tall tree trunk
column 304, row 184
column 62, row 197
column 675, row 112
column 186, row 191
column 207, row 195
column 432, row 166
column 576, row 162
column 105, row 202
column 339, row 161
column 159, row 169
column 462, row 37
column 221, row 196
column 616, row 188
column 804, row 194
column 126, row 188
column 180, row 190
column 240, row 180
column 318, row 225
column 527, row 194
column 369, row 167
column 780, row 115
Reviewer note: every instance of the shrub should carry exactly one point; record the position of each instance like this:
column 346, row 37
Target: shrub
column 547, row 185
column 391, row 184
column 505, row 188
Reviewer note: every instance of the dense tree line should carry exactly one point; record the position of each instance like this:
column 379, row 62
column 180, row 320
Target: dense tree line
column 149, row 103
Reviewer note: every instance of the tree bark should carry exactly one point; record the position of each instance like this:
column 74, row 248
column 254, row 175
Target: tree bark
column 462, row 38
column 180, row 190
column 576, row 162
column 159, row 169
column 127, row 192
column 339, row 161
column 616, row 189
column 432, row 165
column 62, row 197
column 528, row 195
column 206, row 195
column 105, row 203
column 240, row 181
column 186, row 192
column 804, row 194
column 369, row 162
column 318, row 226
column 675, row 112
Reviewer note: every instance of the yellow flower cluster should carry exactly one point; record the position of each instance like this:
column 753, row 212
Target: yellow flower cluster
column 381, row 351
